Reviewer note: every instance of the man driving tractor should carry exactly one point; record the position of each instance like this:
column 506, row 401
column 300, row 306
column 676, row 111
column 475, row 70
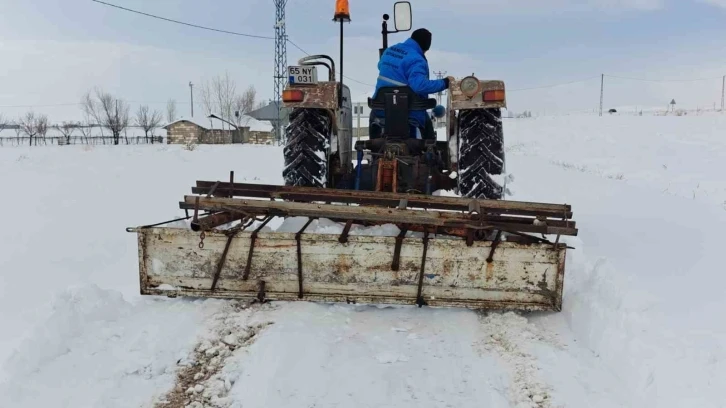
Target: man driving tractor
column 405, row 64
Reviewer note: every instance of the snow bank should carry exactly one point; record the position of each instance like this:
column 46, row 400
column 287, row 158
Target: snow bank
column 640, row 325
column 97, row 349
column 67, row 229
column 680, row 156
column 643, row 284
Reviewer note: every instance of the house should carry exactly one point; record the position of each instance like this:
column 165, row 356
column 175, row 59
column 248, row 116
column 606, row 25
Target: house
column 192, row 130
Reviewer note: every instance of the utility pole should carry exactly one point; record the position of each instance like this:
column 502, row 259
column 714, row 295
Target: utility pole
column 602, row 90
column 191, row 94
column 439, row 75
column 723, row 91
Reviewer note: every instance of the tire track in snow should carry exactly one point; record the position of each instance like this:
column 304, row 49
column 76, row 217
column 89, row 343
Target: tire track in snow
column 507, row 335
column 200, row 382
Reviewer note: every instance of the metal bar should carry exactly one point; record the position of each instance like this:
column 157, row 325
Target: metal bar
column 215, row 220
column 196, row 210
column 387, row 198
column 496, row 241
column 253, row 238
column 217, row 273
column 299, row 258
column 213, row 189
column 365, row 213
column 158, row 223
column 344, row 235
column 469, row 237
column 359, row 169
column 395, row 265
column 428, row 182
column 261, row 292
column 231, row 181
column 419, row 299
column 394, row 181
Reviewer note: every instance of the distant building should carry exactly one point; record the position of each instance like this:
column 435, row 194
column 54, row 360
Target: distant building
column 184, row 131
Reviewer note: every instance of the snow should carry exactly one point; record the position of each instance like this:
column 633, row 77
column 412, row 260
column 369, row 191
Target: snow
column 640, row 325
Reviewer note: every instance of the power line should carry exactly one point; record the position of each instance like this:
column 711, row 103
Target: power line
column 663, row 80
column 554, row 85
column 80, row 104
column 344, row 76
column 213, row 29
column 183, row 23
column 40, row 106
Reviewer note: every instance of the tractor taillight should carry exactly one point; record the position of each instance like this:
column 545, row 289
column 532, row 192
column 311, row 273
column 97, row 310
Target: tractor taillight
column 293, row 95
column 494, row 96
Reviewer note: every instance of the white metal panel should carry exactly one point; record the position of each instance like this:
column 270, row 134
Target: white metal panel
column 520, row 276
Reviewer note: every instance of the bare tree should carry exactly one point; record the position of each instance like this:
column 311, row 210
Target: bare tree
column 108, row 111
column 171, row 110
column 205, row 93
column 18, row 130
column 220, row 97
column 3, row 123
column 86, row 128
column 148, row 120
column 244, row 104
column 41, row 127
column 66, row 129
column 225, row 91
column 29, row 125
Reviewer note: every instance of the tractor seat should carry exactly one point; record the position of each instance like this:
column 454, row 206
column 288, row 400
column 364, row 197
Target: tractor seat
column 414, row 101
column 396, row 103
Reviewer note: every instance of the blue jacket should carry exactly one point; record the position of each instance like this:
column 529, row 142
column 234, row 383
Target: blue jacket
column 405, row 63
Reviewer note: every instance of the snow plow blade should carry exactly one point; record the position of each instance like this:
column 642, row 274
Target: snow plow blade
column 480, row 257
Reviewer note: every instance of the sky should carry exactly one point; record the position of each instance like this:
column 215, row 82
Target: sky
column 52, row 52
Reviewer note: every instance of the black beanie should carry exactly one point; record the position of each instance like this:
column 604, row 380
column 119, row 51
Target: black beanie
column 423, row 37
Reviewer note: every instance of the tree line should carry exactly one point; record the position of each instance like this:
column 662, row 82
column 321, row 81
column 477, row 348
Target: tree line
column 108, row 112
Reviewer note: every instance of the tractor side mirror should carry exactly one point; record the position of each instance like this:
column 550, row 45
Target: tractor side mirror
column 402, row 15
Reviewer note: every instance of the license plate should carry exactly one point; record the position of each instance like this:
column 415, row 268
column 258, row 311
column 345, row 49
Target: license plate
column 302, row 75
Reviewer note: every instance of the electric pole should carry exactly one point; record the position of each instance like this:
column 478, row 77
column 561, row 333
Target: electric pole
column 191, row 95
column 602, row 90
column 723, row 91
column 439, row 75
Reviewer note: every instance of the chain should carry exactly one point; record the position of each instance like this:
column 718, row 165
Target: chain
column 201, row 240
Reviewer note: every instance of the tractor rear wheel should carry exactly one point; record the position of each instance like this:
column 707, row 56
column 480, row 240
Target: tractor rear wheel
column 481, row 153
column 306, row 162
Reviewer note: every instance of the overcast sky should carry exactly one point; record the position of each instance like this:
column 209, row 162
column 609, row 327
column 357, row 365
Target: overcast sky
column 51, row 52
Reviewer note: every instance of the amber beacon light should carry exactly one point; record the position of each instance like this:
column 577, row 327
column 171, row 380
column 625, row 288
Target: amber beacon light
column 342, row 11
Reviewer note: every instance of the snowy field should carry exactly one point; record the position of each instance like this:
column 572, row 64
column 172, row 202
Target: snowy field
column 642, row 324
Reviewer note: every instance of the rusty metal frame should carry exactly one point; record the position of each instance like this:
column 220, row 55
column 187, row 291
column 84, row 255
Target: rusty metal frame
column 230, row 235
column 396, row 263
column 310, row 194
column 496, row 241
column 346, row 230
column 299, row 257
column 419, row 297
column 380, row 215
column 253, row 238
